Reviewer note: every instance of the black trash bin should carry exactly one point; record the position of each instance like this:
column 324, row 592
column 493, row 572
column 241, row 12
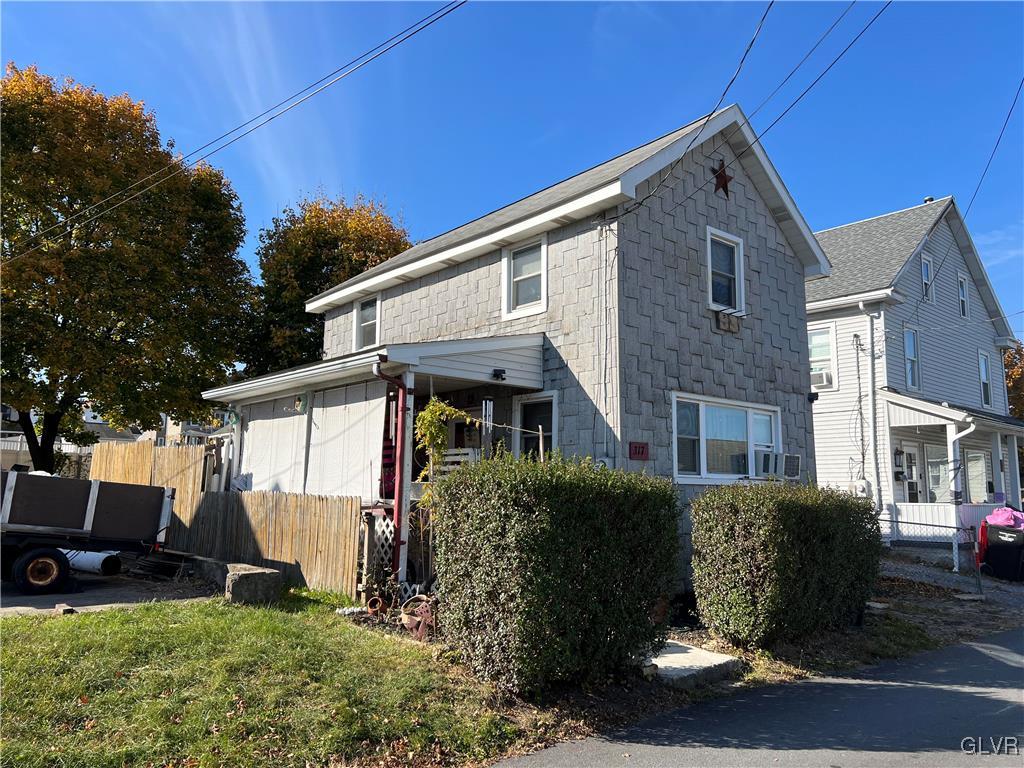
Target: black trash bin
column 1005, row 553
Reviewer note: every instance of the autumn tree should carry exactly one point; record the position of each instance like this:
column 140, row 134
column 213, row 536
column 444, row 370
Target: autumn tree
column 1013, row 362
column 135, row 310
column 305, row 251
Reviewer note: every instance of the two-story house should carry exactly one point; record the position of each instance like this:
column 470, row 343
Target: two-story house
column 648, row 312
column 906, row 341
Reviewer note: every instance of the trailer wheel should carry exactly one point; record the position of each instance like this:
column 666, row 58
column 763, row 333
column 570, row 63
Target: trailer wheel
column 41, row 570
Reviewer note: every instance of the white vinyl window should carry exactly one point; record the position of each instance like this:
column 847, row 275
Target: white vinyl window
column 927, row 276
column 963, row 295
column 714, row 440
column 985, row 375
column 821, row 346
column 525, row 279
column 365, row 322
column 725, row 271
column 912, row 358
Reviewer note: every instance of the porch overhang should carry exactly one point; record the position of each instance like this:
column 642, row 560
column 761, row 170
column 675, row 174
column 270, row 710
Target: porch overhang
column 511, row 361
column 909, row 411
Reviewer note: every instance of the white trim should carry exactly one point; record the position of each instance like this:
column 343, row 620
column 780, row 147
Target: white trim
column 927, row 286
column 886, row 295
column 703, row 477
column 990, row 405
column 963, row 280
column 916, row 358
column 578, row 208
column 517, row 402
column 830, row 326
column 537, row 307
column 294, row 379
column 357, row 326
column 740, row 278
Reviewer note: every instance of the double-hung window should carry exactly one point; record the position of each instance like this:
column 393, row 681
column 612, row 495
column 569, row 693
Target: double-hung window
column 525, row 279
column 912, row 358
column 821, row 345
column 985, row 374
column 716, row 440
column 365, row 322
column 926, row 278
column 963, row 295
column 725, row 271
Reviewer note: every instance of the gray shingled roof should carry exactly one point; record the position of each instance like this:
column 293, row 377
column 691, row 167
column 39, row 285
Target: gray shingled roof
column 868, row 255
column 570, row 188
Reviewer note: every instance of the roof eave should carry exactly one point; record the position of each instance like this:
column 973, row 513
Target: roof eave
column 878, row 296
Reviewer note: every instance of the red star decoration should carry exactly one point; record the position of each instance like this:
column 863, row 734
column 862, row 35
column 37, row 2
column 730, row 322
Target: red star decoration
column 722, row 178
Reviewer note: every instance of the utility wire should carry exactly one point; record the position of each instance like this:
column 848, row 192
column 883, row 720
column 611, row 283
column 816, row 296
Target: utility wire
column 380, row 51
column 224, row 135
column 739, row 67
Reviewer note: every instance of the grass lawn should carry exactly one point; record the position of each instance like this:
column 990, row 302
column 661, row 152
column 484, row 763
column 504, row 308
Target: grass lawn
column 204, row 684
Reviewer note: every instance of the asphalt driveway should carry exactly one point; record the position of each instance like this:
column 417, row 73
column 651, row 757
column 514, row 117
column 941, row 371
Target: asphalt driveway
column 911, row 712
column 96, row 593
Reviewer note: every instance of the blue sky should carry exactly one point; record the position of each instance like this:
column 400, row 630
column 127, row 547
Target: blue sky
column 498, row 100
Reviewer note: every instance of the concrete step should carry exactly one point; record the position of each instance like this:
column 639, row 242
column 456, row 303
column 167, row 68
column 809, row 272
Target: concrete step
column 685, row 666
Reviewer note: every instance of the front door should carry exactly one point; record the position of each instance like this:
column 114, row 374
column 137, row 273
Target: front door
column 914, row 476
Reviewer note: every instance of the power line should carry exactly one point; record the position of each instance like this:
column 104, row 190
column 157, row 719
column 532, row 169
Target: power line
column 970, row 204
column 224, row 135
column 739, row 67
column 380, row 51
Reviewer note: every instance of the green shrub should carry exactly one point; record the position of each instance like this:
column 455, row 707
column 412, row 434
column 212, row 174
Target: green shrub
column 773, row 561
column 550, row 573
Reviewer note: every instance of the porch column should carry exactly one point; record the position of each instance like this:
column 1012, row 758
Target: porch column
column 402, row 536
column 1012, row 472
column 953, row 465
column 997, row 463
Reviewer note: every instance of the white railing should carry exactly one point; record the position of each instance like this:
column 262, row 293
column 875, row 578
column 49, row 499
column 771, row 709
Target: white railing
column 10, row 441
column 974, row 514
column 909, row 522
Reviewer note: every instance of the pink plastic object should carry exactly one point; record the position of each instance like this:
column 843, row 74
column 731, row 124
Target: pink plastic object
column 1006, row 517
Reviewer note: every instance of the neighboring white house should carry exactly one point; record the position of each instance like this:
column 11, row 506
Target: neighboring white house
column 906, row 341
column 648, row 312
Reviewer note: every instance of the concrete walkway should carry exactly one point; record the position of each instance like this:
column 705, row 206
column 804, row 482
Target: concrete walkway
column 914, row 712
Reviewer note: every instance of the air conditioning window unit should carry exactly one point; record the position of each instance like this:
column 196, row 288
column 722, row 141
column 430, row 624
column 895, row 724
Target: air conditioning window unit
column 779, row 465
column 821, row 379
column 791, row 466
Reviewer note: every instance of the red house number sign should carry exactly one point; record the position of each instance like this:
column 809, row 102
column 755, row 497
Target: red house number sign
column 639, row 451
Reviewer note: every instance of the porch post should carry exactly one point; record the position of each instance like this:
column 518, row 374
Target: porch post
column 402, row 535
column 997, row 463
column 1013, row 472
column 953, row 459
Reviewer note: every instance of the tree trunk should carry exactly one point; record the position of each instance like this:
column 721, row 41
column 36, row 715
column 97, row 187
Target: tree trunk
column 40, row 448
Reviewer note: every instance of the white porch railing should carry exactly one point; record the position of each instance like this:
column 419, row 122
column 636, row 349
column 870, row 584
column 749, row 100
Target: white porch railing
column 909, row 522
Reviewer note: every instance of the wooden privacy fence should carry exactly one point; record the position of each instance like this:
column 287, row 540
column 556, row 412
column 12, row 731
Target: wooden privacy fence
column 312, row 540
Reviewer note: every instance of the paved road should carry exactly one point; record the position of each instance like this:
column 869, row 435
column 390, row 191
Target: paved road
column 909, row 713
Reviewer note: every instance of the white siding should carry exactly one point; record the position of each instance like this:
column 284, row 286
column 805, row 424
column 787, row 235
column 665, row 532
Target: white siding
column 949, row 352
column 273, row 446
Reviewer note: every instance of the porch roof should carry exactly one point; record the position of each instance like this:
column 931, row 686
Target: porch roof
column 910, row 411
column 519, row 358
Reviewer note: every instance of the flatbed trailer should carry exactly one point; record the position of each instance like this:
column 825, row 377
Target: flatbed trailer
column 41, row 515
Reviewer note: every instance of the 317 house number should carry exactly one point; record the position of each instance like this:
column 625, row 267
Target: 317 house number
column 639, row 451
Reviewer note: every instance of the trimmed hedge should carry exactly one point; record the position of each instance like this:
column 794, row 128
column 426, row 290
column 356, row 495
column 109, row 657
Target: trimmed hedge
column 550, row 573
column 775, row 561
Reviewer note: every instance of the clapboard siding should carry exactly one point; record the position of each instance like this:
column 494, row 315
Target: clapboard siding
column 949, row 353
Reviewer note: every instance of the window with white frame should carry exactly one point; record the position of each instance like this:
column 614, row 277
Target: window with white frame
column 985, row 374
column 535, row 421
column 963, row 295
column 525, row 279
column 821, row 345
column 366, row 322
column 725, row 270
column 937, row 470
column 926, row 278
column 716, row 439
column 912, row 358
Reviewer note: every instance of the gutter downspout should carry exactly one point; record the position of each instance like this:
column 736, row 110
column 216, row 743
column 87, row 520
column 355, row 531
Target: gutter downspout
column 399, row 385
column 953, row 454
column 872, row 404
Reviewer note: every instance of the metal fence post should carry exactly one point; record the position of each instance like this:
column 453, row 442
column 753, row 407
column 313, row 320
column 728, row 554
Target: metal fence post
column 977, row 564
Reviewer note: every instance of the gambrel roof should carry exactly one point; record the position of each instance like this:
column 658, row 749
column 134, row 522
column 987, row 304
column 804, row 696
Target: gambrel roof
column 597, row 189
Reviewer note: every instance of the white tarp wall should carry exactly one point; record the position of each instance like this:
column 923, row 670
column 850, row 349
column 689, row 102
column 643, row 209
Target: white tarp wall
column 273, row 446
column 345, row 440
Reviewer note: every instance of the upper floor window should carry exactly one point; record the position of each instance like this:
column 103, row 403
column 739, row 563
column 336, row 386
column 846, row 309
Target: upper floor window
column 963, row 295
column 717, row 439
column 525, row 279
column 821, row 344
column 725, row 270
column 926, row 278
column 366, row 322
column 984, row 373
column 911, row 354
